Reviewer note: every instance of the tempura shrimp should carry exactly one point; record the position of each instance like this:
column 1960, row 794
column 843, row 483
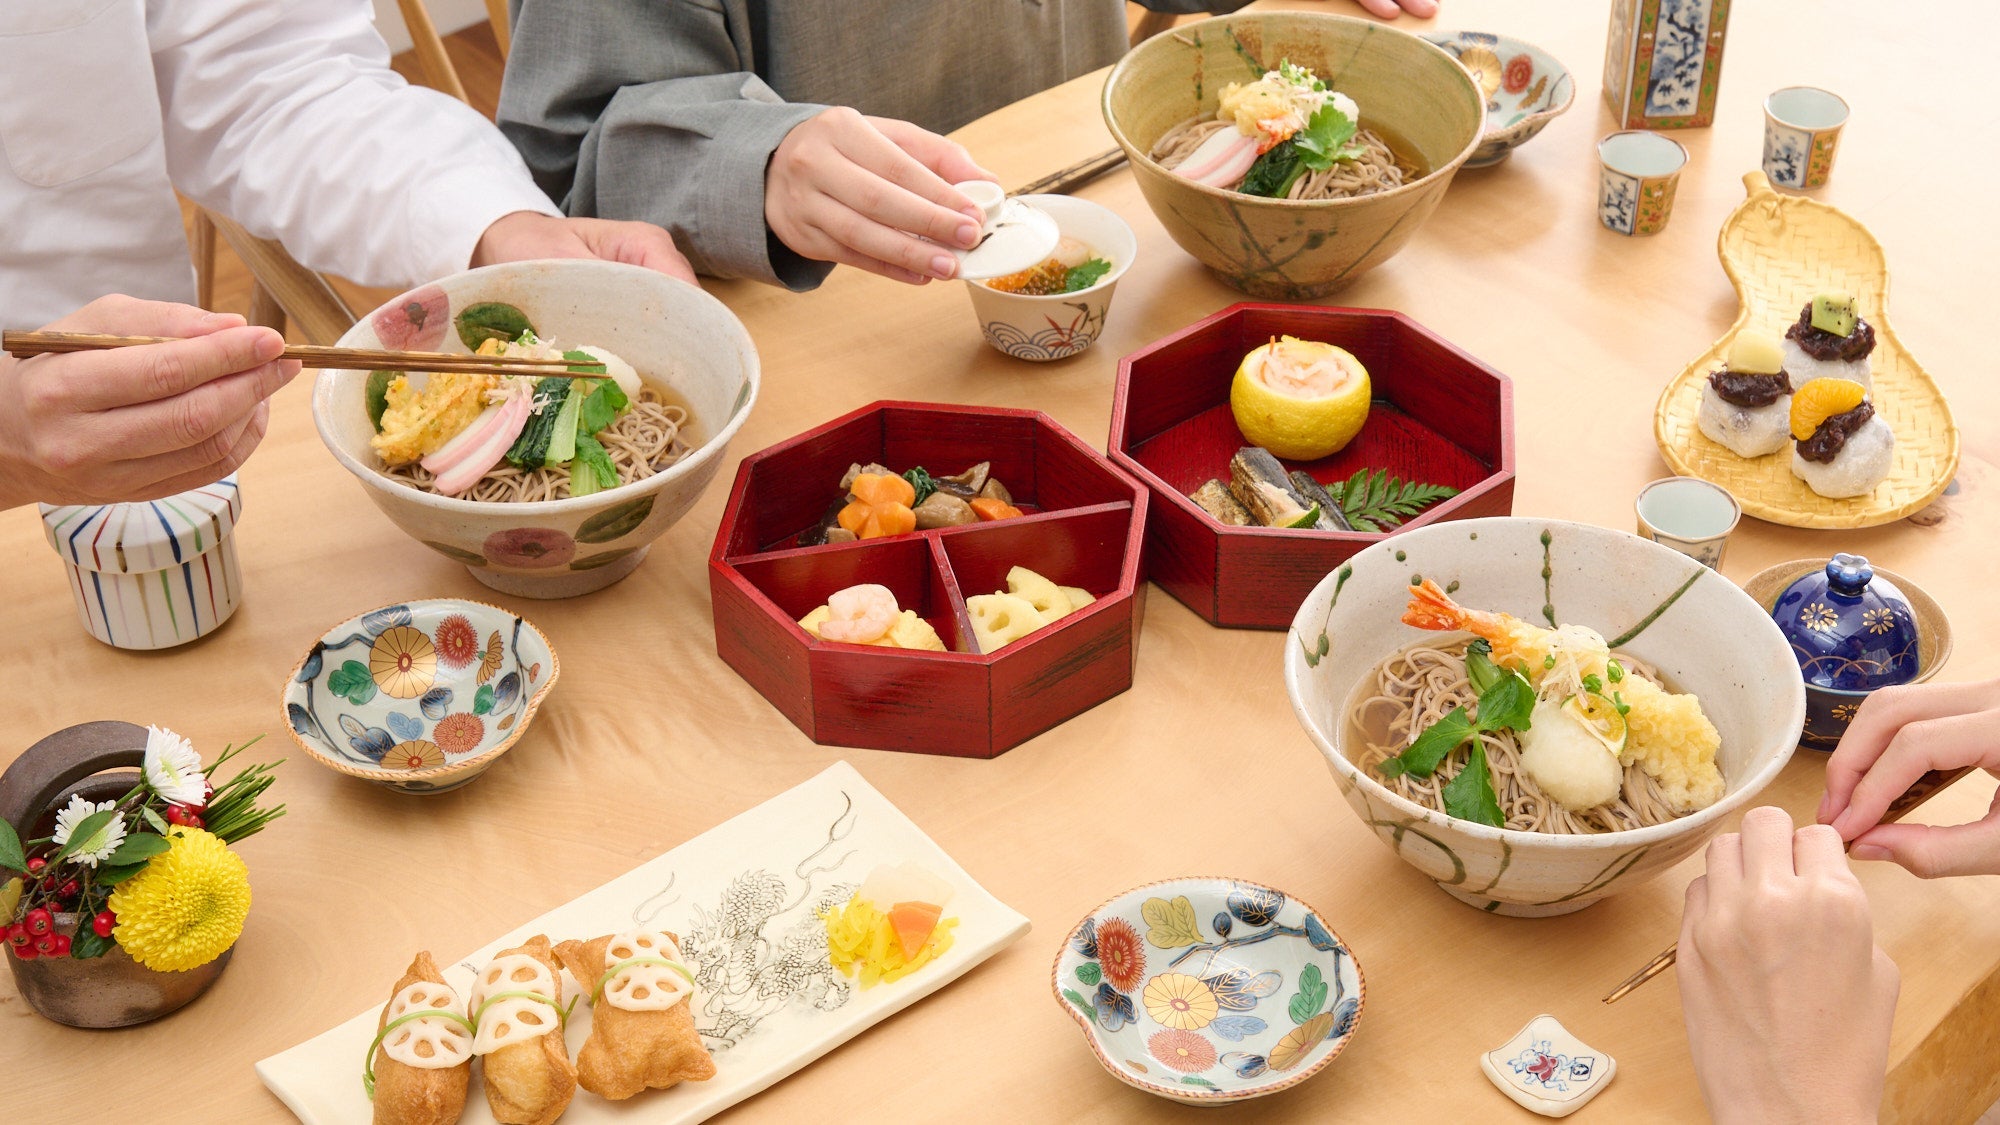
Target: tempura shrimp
column 1670, row 737
column 859, row 614
column 1577, row 651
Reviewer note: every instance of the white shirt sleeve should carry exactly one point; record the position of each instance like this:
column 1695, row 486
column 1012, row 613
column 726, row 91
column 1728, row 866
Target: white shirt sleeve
column 285, row 116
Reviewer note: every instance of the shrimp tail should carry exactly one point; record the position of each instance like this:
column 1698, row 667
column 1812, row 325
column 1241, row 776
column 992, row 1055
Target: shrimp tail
column 1431, row 608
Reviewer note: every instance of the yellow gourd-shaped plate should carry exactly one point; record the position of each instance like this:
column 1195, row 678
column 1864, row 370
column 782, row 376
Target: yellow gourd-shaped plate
column 1780, row 250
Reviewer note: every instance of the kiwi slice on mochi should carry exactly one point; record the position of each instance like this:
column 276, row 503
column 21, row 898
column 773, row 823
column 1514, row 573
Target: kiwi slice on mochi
column 1834, row 312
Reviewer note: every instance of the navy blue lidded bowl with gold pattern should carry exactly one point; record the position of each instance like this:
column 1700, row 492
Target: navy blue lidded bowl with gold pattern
column 1850, row 630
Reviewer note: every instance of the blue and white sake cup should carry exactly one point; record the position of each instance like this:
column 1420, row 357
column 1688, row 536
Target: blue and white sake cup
column 1802, row 127
column 1637, row 172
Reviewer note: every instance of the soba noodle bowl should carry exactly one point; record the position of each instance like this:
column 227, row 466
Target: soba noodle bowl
column 645, row 440
column 1418, row 685
column 1377, row 169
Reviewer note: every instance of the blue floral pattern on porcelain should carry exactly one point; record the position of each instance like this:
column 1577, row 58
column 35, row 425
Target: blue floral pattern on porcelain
column 1850, row 630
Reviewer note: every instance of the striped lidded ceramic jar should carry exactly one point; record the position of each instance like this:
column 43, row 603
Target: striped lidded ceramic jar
column 154, row 574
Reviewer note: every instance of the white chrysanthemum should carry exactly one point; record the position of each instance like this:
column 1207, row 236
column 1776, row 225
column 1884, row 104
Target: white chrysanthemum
column 173, row 769
column 101, row 843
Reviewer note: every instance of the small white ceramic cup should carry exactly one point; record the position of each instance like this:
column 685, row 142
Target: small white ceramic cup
column 1636, row 175
column 1690, row 515
column 1059, row 324
column 1801, row 130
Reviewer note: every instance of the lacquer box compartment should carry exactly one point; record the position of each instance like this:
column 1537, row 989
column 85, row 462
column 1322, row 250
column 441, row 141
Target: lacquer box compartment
column 1439, row 416
column 1082, row 526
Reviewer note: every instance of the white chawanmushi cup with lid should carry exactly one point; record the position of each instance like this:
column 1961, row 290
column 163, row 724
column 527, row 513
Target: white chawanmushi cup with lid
column 1057, row 325
column 153, row 574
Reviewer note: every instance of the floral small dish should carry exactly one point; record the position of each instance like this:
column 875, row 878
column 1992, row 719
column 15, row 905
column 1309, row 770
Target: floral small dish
column 1058, row 325
column 1829, row 709
column 1525, row 88
column 419, row 697
column 1208, row 990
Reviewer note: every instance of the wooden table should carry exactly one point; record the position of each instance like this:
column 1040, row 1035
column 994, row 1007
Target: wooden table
column 649, row 739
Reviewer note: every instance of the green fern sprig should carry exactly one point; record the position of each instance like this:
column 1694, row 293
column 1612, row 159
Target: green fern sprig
column 1373, row 500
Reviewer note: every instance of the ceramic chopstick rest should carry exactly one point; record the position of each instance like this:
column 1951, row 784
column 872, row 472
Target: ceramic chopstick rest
column 1548, row 1070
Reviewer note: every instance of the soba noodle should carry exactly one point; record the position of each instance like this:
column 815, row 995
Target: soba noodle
column 644, row 440
column 1417, row 686
column 1378, row 169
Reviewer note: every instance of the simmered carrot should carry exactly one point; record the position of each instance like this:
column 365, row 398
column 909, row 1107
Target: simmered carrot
column 987, row 508
column 881, row 506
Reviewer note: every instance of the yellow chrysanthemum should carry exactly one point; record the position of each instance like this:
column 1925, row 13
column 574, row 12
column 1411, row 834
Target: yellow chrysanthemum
column 187, row 907
column 403, row 662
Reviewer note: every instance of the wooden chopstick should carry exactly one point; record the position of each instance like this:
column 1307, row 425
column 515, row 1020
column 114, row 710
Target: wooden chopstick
column 1076, row 175
column 1917, row 794
column 26, row 344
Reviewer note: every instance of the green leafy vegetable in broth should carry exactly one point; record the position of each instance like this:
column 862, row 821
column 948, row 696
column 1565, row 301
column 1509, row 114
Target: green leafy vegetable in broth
column 562, row 434
column 1327, row 139
column 1274, row 173
column 532, row 446
column 1433, row 746
column 491, row 320
column 601, row 408
column 1470, row 796
column 378, row 396
column 592, row 471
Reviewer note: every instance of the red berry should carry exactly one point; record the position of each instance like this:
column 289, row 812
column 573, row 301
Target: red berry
column 69, row 890
column 45, row 946
column 36, row 863
column 25, row 952
column 39, row 921
column 177, row 814
column 47, row 883
column 62, row 945
column 18, row 936
column 104, row 922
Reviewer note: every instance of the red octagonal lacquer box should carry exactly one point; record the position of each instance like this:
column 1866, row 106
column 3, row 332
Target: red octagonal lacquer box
column 1439, row 415
column 1082, row 526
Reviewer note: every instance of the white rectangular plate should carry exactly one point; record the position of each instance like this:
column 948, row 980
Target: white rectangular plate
column 743, row 897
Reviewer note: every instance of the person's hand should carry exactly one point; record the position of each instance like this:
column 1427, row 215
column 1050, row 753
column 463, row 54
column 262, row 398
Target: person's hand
column 1900, row 734
column 142, row 422
column 522, row 235
column 1390, row 9
column 1787, row 999
column 860, row 190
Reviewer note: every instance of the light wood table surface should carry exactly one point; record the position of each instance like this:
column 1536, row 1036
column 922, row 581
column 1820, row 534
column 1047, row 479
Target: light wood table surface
column 1200, row 768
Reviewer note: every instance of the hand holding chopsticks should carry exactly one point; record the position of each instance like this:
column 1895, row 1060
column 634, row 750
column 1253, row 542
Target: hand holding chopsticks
column 1916, row 795
column 26, row 344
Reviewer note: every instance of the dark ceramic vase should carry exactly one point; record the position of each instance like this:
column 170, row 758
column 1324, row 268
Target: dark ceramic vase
column 100, row 761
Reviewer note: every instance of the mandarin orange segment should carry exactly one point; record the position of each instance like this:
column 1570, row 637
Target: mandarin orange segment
column 1821, row 399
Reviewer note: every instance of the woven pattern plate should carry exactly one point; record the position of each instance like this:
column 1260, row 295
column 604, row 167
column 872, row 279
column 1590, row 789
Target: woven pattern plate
column 1780, row 250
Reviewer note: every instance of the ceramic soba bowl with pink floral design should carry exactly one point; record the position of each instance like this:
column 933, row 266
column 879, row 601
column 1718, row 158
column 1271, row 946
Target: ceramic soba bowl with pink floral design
column 419, row 697
column 1209, row 991
column 681, row 342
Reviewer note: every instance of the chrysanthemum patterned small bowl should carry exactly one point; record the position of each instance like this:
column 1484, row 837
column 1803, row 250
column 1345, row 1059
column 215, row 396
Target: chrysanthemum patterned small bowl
column 419, row 697
column 1525, row 88
column 1208, row 990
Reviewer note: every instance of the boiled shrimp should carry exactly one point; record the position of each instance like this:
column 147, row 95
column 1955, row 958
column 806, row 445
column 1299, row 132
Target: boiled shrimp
column 859, row 614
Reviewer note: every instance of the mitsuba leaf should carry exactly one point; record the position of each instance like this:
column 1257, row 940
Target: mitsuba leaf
column 1086, row 275
column 1469, row 796
column 601, row 408
column 921, row 481
column 1506, row 705
column 1431, row 747
column 1325, row 138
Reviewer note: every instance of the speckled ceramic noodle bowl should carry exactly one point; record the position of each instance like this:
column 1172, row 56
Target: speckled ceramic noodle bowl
column 1658, row 608
column 1411, row 93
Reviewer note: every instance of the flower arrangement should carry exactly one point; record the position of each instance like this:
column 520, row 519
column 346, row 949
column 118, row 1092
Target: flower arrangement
column 150, row 872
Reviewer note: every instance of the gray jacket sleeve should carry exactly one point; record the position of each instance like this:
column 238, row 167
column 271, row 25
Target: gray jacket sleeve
column 643, row 109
